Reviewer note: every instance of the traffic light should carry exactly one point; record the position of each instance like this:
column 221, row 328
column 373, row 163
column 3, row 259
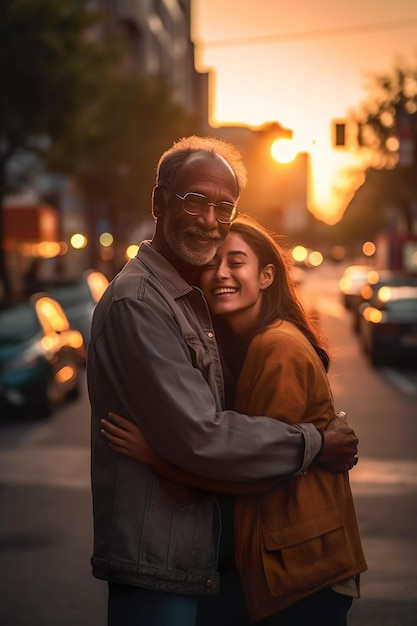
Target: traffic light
column 339, row 134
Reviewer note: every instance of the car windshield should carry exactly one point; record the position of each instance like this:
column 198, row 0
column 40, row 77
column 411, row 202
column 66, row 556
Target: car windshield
column 69, row 294
column 18, row 324
column 402, row 305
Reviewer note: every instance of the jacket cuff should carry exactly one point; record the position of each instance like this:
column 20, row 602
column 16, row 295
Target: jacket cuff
column 313, row 442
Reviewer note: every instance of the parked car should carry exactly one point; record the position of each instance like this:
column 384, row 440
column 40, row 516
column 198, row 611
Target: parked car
column 351, row 283
column 40, row 356
column 377, row 289
column 78, row 297
column 388, row 327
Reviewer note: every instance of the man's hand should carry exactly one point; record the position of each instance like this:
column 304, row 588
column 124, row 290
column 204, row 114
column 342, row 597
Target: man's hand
column 340, row 446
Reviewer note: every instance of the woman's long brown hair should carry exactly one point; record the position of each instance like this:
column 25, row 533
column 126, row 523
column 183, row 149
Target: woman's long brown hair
column 280, row 300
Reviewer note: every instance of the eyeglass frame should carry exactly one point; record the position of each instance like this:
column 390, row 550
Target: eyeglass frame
column 234, row 210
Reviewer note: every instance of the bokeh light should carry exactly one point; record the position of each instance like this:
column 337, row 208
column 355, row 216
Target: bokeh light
column 131, row 251
column 78, row 241
column 369, row 248
column 315, row 258
column 106, row 239
column 299, row 253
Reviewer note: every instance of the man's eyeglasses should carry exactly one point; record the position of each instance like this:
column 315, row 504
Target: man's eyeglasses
column 195, row 204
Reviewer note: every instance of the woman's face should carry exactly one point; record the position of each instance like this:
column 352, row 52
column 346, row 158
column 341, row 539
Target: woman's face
column 233, row 283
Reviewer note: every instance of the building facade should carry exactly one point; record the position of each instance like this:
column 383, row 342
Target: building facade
column 156, row 38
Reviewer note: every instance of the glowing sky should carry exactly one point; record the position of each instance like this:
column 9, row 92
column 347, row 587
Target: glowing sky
column 302, row 63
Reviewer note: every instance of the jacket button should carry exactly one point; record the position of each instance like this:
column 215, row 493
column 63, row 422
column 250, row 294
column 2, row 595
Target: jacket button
column 210, row 335
column 209, row 583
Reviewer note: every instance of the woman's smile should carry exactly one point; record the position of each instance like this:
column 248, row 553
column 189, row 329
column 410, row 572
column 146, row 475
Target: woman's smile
column 224, row 291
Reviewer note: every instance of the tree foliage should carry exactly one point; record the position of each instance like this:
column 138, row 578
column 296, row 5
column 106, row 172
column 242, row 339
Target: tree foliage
column 137, row 120
column 393, row 97
column 66, row 98
column 364, row 217
column 387, row 136
column 49, row 70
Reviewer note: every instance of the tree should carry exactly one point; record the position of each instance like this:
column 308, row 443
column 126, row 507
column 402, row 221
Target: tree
column 363, row 216
column 137, row 120
column 387, row 136
column 49, row 68
column 67, row 99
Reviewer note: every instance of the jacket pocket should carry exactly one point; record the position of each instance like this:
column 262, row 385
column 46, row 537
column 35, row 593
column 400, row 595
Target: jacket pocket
column 193, row 541
column 306, row 555
column 200, row 356
column 181, row 531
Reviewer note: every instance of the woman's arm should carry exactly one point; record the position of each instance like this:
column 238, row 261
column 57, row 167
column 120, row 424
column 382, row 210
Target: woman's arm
column 125, row 437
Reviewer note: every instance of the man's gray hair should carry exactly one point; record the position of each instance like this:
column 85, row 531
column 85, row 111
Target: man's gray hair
column 172, row 159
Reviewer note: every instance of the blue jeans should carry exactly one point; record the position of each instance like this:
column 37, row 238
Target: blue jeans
column 135, row 606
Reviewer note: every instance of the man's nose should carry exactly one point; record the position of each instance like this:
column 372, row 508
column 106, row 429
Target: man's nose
column 208, row 216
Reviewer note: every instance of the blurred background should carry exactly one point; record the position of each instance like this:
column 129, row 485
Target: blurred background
column 321, row 99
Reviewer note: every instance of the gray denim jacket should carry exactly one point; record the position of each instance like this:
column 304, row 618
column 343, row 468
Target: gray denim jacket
column 153, row 359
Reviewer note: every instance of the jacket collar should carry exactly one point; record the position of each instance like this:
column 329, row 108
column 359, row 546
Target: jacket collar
column 159, row 267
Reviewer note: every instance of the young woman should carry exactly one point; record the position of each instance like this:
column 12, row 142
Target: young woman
column 297, row 543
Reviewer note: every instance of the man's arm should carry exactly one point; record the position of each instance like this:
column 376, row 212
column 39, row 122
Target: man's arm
column 126, row 438
column 152, row 381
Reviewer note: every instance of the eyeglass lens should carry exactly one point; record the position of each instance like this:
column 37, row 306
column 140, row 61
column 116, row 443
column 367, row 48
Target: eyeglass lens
column 197, row 204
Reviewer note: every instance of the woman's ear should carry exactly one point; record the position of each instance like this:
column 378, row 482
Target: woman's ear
column 158, row 201
column 267, row 276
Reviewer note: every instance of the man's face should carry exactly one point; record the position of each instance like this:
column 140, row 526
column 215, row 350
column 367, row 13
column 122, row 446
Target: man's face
column 195, row 239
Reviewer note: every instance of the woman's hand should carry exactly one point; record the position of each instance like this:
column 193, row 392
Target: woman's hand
column 126, row 438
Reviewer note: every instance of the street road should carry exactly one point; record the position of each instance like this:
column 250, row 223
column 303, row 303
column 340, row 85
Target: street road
column 381, row 406
column 45, row 510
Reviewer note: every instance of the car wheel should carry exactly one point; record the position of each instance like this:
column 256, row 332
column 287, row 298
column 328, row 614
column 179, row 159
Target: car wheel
column 375, row 357
column 75, row 393
column 362, row 338
column 356, row 323
column 44, row 405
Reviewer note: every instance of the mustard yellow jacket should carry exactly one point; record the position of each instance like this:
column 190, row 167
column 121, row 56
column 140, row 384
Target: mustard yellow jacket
column 297, row 535
column 302, row 535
